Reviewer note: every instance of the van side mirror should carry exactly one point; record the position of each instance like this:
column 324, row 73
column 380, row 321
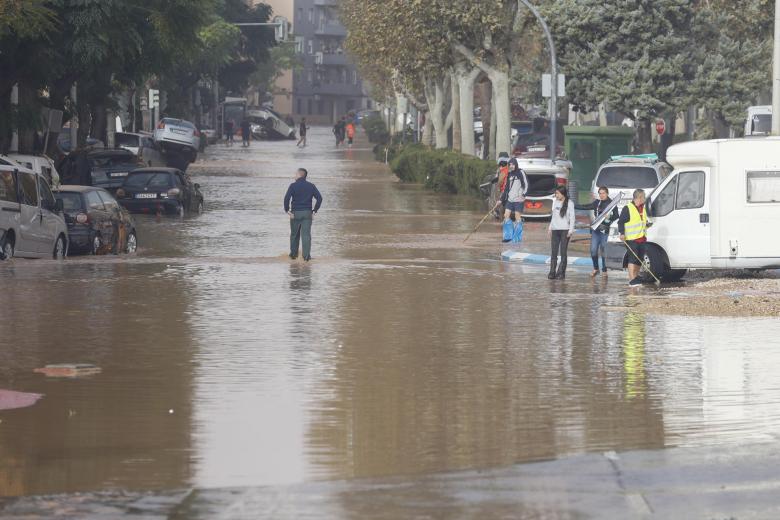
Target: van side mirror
column 649, row 207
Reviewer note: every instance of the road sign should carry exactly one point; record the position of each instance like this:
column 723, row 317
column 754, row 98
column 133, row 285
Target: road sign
column 154, row 98
column 547, row 85
column 660, row 127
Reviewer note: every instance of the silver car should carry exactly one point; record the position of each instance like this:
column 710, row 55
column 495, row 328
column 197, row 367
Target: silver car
column 177, row 135
column 31, row 221
column 143, row 145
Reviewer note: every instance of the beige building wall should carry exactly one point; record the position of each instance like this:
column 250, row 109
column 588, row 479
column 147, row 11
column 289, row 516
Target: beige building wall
column 283, row 89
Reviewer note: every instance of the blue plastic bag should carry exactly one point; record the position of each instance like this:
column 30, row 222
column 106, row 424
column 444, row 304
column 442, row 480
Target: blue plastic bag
column 517, row 236
column 509, row 230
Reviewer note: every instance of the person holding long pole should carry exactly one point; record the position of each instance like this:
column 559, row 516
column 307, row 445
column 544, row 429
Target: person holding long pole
column 632, row 226
column 599, row 236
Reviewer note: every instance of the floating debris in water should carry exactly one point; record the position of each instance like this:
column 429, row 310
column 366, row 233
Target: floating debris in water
column 69, row 370
column 10, row 400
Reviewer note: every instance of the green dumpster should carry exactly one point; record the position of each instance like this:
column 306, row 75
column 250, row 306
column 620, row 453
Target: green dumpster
column 588, row 147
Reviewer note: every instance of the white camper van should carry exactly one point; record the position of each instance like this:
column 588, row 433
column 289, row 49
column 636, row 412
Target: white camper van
column 719, row 209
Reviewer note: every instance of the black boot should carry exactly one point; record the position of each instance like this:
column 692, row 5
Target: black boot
column 553, row 263
column 561, row 273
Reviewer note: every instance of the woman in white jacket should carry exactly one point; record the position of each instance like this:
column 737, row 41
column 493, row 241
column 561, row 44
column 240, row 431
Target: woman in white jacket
column 560, row 231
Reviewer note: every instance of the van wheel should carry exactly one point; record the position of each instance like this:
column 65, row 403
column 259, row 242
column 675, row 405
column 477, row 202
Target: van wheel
column 59, row 249
column 656, row 259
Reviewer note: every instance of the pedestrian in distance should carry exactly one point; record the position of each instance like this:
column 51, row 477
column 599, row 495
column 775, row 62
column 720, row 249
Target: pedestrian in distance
column 229, row 132
column 560, row 231
column 302, row 133
column 599, row 236
column 246, row 132
column 350, row 130
column 513, row 198
column 298, row 205
column 341, row 131
column 632, row 225
column 336, row 133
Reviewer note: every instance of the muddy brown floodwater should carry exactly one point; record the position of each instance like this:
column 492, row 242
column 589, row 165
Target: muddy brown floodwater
column 397, row 351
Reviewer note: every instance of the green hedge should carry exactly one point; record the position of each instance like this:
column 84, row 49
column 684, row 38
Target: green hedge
column 376, row 130
column 440, row 170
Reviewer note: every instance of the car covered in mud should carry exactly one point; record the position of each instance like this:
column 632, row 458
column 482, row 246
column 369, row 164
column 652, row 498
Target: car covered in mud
column 160, row 191
column 104, row 168
column 97, row 224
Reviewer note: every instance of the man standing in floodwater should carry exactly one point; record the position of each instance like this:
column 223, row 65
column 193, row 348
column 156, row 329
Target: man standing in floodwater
column 298, row 205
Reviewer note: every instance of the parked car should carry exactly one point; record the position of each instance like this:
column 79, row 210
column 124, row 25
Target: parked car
column 97, row 224
column 31, row 223
column 143, row 145
column 160, row 190
column 718, row 210
column 104, row 168
column 178, row 135
column 623, row 174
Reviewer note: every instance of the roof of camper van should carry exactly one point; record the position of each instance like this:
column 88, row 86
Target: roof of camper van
column 705, row 153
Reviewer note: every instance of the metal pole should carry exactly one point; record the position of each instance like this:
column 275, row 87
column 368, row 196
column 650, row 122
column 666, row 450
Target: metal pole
column 776, row 74
column 553, row 79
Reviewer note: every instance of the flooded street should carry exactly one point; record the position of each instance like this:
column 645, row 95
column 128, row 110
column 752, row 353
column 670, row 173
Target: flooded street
column 396, row 351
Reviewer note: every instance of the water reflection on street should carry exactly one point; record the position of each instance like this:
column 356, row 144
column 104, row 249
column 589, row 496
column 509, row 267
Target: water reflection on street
column 396, row 351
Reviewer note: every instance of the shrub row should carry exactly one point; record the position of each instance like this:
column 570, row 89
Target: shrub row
column 376, row 130
column 440, row 170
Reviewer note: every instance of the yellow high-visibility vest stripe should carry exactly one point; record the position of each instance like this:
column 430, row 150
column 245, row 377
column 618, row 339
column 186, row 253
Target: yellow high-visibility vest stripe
column 637, row 224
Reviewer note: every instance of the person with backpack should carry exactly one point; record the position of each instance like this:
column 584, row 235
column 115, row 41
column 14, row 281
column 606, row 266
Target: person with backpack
column 513, row 197
column 560, row 231
column 599, row 236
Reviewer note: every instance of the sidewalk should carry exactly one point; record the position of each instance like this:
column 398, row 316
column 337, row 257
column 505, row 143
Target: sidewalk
column 714, row 483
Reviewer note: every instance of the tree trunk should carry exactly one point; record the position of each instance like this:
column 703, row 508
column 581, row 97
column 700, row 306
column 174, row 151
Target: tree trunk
column 503, row 110
column 466, row 81
column 427, row 134
column 645, row 136
column 667, row 139
column 435, row 92
column 485, row 92
column 457, row 142
column 493, row 125
column 98, row 117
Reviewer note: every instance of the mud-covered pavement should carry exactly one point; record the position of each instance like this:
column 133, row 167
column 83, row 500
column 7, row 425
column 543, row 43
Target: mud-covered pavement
column 397, row 352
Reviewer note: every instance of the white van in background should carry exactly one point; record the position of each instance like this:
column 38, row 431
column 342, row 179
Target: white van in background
column 719, row 209
column 759, row 121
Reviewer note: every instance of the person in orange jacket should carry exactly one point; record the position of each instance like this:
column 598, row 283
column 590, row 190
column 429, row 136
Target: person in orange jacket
column 350, row 133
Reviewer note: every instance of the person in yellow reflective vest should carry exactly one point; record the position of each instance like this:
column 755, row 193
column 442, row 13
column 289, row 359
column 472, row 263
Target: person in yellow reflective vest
column 632, row 226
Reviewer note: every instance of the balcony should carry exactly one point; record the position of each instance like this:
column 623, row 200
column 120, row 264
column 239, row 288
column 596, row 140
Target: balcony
column 330, row 29
column 339, row 60
column 336, row 89
column 326, row 3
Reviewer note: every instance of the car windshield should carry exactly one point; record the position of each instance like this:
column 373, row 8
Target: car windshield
column 112, row 161
column 126, row 140
column 70, row 201
column 628, row 177
column 151, row 180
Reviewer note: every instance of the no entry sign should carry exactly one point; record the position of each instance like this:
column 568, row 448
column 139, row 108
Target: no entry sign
column 660, row 127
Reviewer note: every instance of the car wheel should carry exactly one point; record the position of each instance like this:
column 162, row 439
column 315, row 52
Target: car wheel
column 200, row 207
column 59, row 249
column 96, row 243
column 674, row 275
column 132, row 243
column 8, row 250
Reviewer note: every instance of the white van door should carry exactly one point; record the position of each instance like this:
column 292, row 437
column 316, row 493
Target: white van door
column 31, row 237
column 681, row 219
column 50, row 221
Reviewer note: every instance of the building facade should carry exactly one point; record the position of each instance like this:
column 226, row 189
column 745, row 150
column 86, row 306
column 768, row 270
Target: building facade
column 328, row 86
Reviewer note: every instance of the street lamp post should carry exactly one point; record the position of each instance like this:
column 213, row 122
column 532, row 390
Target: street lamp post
column 553, row 79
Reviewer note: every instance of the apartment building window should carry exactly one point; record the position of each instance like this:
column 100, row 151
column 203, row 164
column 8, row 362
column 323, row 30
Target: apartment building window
column 354, row 77
column 299, row 44
column 300, row 106
column 344, row 76
column 309, row 76
column 311, row 46
column 308, row 107
column 300, row 14
column 311, row 15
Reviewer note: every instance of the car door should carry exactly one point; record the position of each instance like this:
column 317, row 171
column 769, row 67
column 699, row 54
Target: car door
column 51, row 222
column 680, row 215
column 99, row 216
column 31, row 236
column 186, row 191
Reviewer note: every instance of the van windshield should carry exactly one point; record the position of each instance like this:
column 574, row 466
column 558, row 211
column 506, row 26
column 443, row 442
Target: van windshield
column 637, row 177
